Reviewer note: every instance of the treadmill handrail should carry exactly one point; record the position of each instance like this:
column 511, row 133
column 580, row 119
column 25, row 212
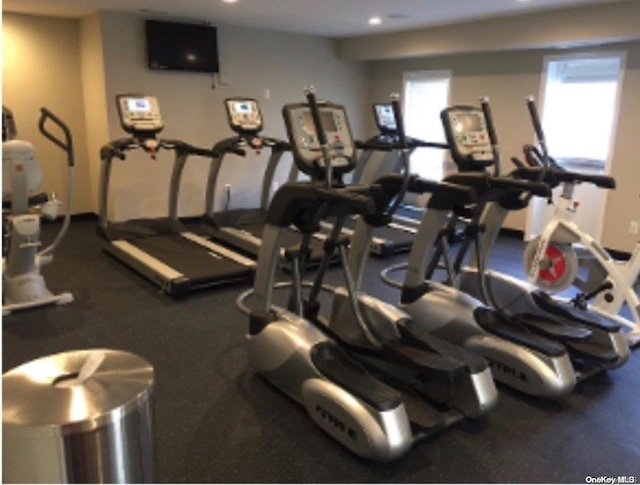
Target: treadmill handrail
column 118, row 148
column 237, row 146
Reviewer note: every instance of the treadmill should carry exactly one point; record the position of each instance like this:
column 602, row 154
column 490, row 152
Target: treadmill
column 241, row 229
column 396, row 237
column 162, row 249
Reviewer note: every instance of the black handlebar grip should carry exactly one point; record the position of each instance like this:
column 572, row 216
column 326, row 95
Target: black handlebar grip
column 397, row 114
column 201, row 152
column 376, row 146
column 536, row 188
column 315, row 115
column 418, row 185
column 360, row 204
column 66, row 145
column 535, row 118
column 486, row 110
column 432, row 144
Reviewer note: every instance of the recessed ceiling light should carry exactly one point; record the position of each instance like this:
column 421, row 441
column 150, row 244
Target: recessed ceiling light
column 522, row 1
column 375, row 21
column 229, row 1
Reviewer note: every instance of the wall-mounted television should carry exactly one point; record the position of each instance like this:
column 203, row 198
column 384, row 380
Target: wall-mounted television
column 175, row 46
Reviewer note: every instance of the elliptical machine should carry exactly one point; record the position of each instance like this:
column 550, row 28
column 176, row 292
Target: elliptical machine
column 23, row 286
column 594, row 343
column 371, row 384
column 518, row 358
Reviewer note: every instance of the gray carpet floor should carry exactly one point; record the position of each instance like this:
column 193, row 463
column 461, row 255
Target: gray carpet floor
column 217, row 421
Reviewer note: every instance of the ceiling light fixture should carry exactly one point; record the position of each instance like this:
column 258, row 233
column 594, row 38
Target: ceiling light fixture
column 375, row 21
column 229, row 1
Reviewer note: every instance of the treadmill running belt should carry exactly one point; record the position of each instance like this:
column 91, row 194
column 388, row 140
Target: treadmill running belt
column 199, row 265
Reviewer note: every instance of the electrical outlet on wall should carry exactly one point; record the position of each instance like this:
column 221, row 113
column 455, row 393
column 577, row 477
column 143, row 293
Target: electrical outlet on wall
column 633, row 228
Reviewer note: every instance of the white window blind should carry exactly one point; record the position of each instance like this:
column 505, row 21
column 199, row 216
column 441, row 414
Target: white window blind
column 579, row 109
column 426, row 94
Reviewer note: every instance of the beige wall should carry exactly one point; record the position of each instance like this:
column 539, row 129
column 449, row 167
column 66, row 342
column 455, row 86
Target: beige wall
column 507, row 77
column 193, row 110
column 41, row 67
column 95, row 101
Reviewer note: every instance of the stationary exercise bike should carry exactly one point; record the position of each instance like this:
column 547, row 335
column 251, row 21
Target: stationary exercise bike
column 370, row 384
column 23, row 286
column 552, row 259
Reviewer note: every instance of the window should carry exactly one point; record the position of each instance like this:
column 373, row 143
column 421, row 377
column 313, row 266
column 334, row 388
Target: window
column 426, row 94
column 580, row 108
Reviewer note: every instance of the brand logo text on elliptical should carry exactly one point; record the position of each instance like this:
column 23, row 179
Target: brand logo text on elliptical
column 337, row 423
column 504, row 369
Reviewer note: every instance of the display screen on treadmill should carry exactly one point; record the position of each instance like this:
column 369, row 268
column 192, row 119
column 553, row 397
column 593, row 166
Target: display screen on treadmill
column 386, row 119
column 465, row 123
column 244, row 107
column 328, row 123
column 138, row 104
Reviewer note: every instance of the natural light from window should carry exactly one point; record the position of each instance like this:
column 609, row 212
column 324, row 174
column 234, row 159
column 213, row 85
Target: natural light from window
column 579, row 109
column 426, row 94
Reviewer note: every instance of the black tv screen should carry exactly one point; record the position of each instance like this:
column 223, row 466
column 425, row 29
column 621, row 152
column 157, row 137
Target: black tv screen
column 181, row 47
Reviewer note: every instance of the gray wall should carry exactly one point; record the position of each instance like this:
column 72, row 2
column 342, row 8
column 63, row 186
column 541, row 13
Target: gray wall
column 256, row 60
column 507, row 77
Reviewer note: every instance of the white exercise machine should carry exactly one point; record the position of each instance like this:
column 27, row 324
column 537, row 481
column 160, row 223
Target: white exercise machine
column 22, row 284
column 553, row 259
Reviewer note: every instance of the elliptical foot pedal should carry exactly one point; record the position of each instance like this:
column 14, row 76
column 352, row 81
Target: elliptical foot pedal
column 568, row 311
column 426, row 420
column 585, row 349
column 334, row 364
column 493, row 323
column 551, row 328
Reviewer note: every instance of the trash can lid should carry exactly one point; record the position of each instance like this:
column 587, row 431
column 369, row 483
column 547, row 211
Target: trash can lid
column 77, row 391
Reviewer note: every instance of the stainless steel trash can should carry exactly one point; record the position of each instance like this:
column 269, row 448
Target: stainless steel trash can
column 78, row 417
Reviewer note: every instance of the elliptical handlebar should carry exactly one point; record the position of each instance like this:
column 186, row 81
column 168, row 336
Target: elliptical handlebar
column 320, row 133
column 404, row 154
column 493, row 136
column 358, row 203
column 67, row 144
column 315, row 115
column 397, row 114
column 534, row 188
column 535, row 118
column 547, row 162
column 465, row 195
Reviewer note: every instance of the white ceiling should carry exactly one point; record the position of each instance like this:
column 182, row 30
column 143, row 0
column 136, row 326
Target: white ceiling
column 332, row 18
